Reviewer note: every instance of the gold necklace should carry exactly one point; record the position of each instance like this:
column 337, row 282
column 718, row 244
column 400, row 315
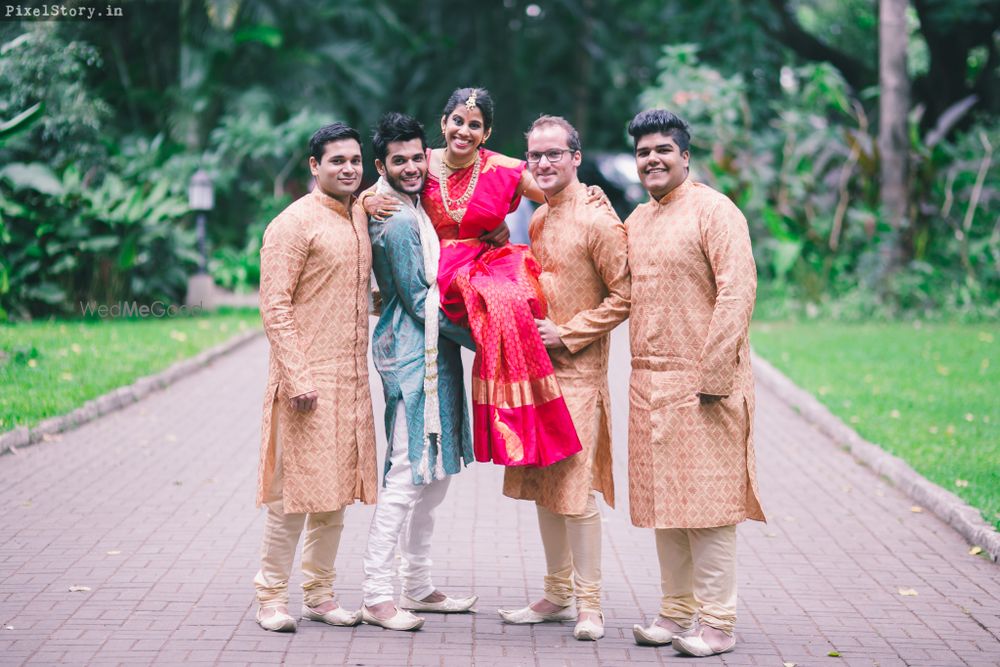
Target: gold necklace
column 455, row 208
column 456, row 167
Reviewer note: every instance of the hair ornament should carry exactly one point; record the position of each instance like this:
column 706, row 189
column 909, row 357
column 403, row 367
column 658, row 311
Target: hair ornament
column 470, row 103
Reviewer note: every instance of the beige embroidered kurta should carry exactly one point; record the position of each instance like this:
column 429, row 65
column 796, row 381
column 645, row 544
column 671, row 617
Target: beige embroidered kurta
column 585, row 279
column 693, row 287
column 315, row 268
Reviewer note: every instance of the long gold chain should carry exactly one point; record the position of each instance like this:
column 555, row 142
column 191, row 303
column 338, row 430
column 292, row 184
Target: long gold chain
column 459, row 204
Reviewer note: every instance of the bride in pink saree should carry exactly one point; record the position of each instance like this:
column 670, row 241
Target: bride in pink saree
column 519, row 415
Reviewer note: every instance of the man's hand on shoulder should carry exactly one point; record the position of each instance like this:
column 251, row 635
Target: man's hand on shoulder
column 305, row 402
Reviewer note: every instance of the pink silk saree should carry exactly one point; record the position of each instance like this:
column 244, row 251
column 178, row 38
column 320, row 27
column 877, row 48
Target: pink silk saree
column 519, row 417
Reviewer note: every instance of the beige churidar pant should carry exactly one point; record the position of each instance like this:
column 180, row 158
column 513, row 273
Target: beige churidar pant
column 572, row 545
column 281, row 536
column 698, row 575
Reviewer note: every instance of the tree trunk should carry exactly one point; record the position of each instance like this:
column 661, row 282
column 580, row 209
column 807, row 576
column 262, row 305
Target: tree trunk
column 893, row 142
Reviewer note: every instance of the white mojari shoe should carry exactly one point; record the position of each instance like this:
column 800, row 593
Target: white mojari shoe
column 657, row 635
column 696, row 645
column 588, row 630
column 448, row 605
column 402, row 620
column 279, row 621
column 527, row 615
column 338, row 616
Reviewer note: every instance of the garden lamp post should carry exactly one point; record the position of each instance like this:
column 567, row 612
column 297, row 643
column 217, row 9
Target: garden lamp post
column 201, row 199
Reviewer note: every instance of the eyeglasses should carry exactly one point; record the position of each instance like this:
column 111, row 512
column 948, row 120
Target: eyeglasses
column 553, row 156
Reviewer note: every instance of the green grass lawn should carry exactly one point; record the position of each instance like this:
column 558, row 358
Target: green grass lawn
column 50, row 368
column 928, row 393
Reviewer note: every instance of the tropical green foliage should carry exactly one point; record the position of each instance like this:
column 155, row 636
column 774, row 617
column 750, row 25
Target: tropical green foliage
column 808, row 183
column 780, row 93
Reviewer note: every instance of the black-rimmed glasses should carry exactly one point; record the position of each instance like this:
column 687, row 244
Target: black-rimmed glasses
column 553, row 156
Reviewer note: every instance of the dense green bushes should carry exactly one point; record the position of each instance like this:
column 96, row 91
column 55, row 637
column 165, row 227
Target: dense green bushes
column 808, row 183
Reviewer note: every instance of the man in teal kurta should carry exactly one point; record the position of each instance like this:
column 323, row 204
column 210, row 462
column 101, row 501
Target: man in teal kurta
column 417, row 353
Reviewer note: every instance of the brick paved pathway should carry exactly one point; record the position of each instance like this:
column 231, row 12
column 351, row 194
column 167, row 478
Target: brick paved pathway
column 152, row 509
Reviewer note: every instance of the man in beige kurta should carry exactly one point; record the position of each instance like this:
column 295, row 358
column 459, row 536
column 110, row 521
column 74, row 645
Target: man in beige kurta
column 691, row 396
column 318, row 439
column 582, row 250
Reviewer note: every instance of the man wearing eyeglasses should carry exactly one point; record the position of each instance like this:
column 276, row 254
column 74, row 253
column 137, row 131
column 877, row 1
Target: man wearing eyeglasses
column 585, row 279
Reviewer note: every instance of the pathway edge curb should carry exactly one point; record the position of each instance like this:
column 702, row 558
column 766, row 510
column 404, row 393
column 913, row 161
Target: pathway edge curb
column 950, row 508
column 120, row 397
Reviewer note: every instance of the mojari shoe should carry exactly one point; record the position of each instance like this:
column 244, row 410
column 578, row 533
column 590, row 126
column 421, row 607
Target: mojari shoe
column 337, row 616
column 402, row 620
column 587, row 630
column 527, row 615
column 279, row 621
column 448, row 605
column 657, row 635
column 697, row 645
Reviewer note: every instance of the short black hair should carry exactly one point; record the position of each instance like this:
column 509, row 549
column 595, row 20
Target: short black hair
column 394, row 126
column 652, row 121
column 572, row 136
column 483, row 101
column 333, row 132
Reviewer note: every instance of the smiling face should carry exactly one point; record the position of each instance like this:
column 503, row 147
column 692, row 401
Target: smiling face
column 661, row 164
column 463, row 131
column 338, row 173
column 552, row 177
column 405, row 166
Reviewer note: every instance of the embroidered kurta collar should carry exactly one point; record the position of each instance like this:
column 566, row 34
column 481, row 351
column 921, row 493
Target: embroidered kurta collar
column 676, row 192
column 569, row 193
column 333, row 204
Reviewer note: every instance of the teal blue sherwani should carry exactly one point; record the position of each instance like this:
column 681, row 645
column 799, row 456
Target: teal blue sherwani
column 398, row 347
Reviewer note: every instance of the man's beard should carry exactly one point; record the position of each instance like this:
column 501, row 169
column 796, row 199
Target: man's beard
column 398, row 185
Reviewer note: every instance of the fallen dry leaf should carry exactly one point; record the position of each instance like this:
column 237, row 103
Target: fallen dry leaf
column 916, row 509
column 114, row 552
column 976, row 550
column 79, row 589
column 908, row 592
column 788, row 664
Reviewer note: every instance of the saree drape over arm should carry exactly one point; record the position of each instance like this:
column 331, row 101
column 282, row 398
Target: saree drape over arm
column 519, row 414
column 315, row 267
column 585, row 278
column 693, row 288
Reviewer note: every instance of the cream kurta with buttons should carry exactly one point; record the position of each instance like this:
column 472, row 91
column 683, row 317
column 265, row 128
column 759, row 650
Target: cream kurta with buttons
column 315, row 268
column 693, row 289
column 585, row 280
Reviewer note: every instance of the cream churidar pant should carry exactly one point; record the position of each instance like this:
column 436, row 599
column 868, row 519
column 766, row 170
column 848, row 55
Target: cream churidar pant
column 404, row 516
column 572, row 545
column 281, row 536
column 698, row 575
